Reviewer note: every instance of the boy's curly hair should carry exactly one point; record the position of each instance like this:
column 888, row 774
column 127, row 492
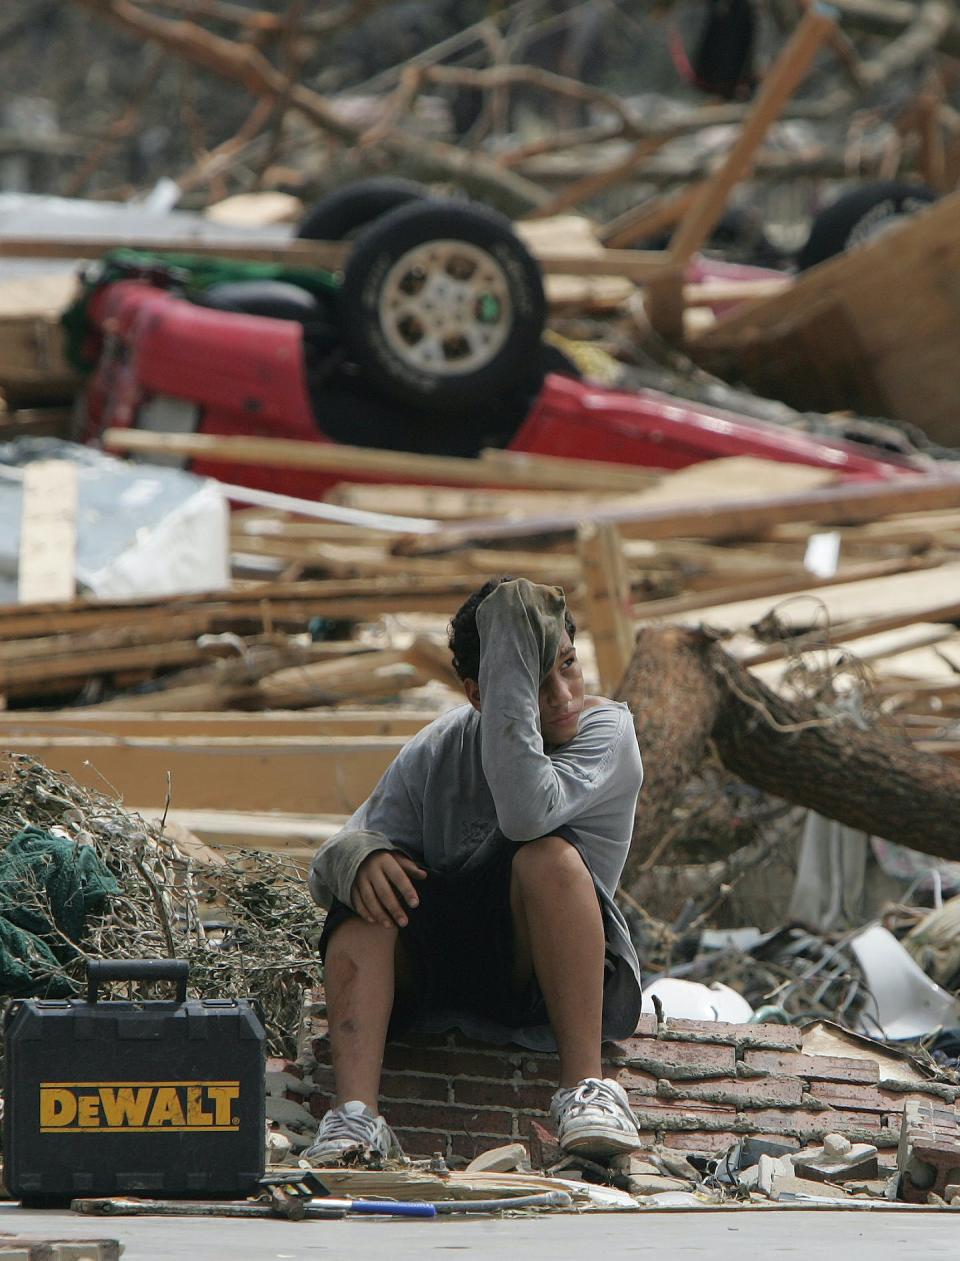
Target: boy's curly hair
column 464, row 638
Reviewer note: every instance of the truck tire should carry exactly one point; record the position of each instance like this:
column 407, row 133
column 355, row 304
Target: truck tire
column 347, row 209
column 442, row 304
column 855, row 217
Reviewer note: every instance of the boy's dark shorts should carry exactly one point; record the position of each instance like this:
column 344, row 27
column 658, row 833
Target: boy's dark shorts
column 459, row 947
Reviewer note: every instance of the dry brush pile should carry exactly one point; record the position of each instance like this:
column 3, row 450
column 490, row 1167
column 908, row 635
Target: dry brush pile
column 243, row 920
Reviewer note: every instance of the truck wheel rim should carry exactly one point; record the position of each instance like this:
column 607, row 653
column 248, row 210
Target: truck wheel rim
column 445, row 308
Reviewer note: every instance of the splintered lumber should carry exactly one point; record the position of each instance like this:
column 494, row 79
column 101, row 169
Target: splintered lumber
column 779, row 83
column 301, row 774
column 276, row 723
column 634, row 265
column 836, row 339
column 48, row 532
column 929, row 595
column 32, row 350
column 233, row 684
column 257, row 607
column 686, row 694
column 528, row 471
column 607, row 595
column 292, row 836
column 330, row 683
column 666, row 298
column 776, row 584
column 747, row 518
column 443, row 503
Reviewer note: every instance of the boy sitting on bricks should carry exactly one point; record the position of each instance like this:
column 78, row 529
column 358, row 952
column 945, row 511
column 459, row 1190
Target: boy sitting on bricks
column 475, row 887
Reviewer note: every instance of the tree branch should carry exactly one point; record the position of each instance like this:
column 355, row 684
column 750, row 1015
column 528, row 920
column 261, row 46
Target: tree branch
column 247, row 66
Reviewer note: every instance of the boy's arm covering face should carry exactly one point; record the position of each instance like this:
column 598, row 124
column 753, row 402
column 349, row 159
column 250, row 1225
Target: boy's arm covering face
column 521, row 625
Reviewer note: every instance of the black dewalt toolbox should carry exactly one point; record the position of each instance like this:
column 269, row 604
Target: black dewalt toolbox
column 139, row 1097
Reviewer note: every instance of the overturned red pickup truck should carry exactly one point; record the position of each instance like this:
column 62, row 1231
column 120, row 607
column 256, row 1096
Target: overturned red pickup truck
column 432, row 342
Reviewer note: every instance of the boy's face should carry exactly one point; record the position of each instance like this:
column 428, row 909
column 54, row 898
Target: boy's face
column 560, row 699
column 561, row 696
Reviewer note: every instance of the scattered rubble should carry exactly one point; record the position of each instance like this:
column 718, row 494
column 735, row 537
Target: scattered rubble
column 768, row 579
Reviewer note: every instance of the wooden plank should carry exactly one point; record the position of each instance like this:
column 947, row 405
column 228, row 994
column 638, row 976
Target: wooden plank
column 635, row 265
column 298, row 774
column 268, row 603
column 166, row 726
column 19, row 673
column 844, row 504
column 529, row 471
column 449, row 504
column 32, row 354
column 775, row 585
column 556, row 472
column 779, row 83
column 929, row 596
column 607, row 602
column 48, row 532
column 287, row 835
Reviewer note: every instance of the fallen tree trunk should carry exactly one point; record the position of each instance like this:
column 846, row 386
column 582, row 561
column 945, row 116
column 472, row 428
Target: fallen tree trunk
column 686, row 692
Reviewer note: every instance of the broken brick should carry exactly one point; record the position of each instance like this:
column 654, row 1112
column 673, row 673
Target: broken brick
column 705, row 1141
column 809, row 1124
column 848, row 1095
column 815, row 1067
column 676, row 1060
column 770, row 1092
column 654, row 1114
column 928, row 1156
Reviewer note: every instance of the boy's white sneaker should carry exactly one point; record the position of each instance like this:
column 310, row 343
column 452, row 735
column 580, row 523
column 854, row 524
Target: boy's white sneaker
column 353, row 1125
column 594, row 1118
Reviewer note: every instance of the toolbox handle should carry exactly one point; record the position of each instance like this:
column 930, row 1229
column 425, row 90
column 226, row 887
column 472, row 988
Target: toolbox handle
column 100, row 971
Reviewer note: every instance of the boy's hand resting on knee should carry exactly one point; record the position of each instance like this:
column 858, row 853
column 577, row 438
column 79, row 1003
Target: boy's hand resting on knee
column 383, row 879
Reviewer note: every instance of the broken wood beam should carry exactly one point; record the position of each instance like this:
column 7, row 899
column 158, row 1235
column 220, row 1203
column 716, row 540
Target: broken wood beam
column 636, row 265
column 298, row 774
column 48, row 532
column 278, row 724
column 844, row 504
column 530, row 471
column 607, row 599
column 779, row 83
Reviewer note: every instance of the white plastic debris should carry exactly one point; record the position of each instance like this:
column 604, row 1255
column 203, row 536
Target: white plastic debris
column 904, row 1002
column 689, row 1000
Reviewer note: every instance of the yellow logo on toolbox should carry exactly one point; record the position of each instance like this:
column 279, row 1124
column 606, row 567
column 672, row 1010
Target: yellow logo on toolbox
column 138, row 1107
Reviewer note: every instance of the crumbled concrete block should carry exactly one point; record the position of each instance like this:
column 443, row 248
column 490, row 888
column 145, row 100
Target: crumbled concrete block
column 787, row 1186
column 928, row 1156
column 837, row 1160
column 288, row 1112
column 655, row 1184
column 761, row 1176
column 503, row 1159
column 284, row 1083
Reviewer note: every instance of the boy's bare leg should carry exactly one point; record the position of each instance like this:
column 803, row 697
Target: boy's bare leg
column 359, row 979
column 558, row 936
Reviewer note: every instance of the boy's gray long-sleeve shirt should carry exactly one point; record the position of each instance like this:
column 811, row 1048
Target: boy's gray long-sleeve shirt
column 468, row 780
